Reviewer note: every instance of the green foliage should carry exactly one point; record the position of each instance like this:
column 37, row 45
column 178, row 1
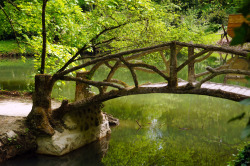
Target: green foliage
column 8, row 46
column 243, row 157
column 242, row 35
column 175, row 131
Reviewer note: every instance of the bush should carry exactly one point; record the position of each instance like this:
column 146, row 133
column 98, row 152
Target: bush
column 213, row 28
column 218, row 17
column 243, row 158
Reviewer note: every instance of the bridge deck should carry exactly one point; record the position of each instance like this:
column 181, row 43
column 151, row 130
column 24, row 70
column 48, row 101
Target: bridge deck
column 210, row 85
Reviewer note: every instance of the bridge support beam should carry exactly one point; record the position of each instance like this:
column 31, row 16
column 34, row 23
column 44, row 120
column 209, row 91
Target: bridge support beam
column 82, row 90
column 81, row 125
column 191, row 70
column 173, row 82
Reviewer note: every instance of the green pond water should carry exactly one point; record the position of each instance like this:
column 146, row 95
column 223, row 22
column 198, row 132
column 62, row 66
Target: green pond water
column 175, row 129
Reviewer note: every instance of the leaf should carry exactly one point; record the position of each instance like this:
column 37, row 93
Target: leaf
column 239, row 117
column 245, row 102
column 245, row 8
column 59, row 84
column 247, row 78
column 246, row 132
column 241, row 34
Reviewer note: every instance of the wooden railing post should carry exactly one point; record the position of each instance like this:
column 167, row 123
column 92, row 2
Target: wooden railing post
column 191, row 70
column 82, row 90
column 173, row 82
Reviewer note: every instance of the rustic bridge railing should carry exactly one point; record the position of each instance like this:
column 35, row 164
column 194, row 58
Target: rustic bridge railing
column 196, row 53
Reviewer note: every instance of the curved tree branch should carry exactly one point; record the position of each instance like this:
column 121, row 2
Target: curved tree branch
column 203, row 58
column 207, row 72
column 11, row 24
column 111, row 73
column 89, row 82
column 151, row 68
column 131, row 70
column 191, row 59
column 119, row 82
column 108, row 57
column 219, row 72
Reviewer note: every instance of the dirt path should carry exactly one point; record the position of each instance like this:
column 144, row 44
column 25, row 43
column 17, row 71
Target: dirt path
column 18, row 104
column 15, row 137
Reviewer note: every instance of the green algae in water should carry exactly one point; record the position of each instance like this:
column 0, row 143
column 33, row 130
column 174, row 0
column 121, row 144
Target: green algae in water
column 177, row 130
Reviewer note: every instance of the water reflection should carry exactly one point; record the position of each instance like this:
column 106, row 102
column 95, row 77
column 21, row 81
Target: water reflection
column 16, row 75
column 177, row 129
column 90, row 155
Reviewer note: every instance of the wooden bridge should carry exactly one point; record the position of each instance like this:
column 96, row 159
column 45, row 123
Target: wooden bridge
column 127, row 59
column 84, row 119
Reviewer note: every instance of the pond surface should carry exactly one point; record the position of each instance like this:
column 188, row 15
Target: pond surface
column 175, row 129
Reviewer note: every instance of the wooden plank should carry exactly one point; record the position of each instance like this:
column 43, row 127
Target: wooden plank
column 228, row 88
column 210, row 85
column 225, row 87
column 182, row 83
column 242, row 90
column 216, row 86
column 247, row 93
column 235, row 90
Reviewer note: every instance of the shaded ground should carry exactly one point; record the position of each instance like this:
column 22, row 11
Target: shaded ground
column 15, row 137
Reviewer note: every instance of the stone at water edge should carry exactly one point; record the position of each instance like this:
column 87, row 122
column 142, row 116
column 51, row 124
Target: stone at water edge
column 15, row 137
column 75, row 136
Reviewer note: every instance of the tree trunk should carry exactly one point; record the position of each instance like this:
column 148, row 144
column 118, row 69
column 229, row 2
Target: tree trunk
column 38, row 119
column 82, row 90
column 173, row 67
column 191, row 72
column 44, row 37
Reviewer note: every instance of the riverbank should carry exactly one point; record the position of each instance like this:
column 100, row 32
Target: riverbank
column 15, row 136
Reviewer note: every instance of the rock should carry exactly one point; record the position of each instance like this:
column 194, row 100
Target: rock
column 91, row 125
column 15, row 137
column 112, row 120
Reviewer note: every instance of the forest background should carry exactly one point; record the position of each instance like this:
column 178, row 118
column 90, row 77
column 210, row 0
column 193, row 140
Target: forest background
column 100, row 27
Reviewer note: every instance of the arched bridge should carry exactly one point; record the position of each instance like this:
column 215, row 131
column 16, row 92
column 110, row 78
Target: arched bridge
column 83, row 120
column 131, row 60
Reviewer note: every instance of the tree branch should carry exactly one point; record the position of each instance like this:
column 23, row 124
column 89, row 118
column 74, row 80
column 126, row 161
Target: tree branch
column 85, row 46
column 166, row 62
column 159, row 47
column 14, row 5
column 203, row 58
column 12, row 26
column 44, row 33
column 108, row 57
column 151, row 68
column 219, row 72
column 119, row 82
column 131, row 70
column 111, row 73
column 207, row 72
column 191, row 59
column 89, row 82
